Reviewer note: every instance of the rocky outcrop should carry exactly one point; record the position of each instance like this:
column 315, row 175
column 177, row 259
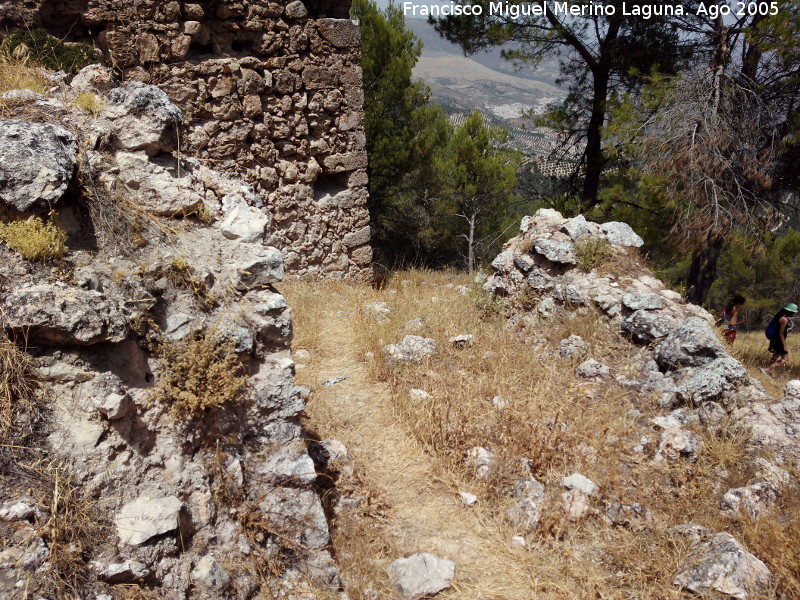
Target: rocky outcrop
column 172, row 401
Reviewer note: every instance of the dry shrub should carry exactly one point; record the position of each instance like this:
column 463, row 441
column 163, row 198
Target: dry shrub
column 90, row 102
column 34, row 239
column 202, row 372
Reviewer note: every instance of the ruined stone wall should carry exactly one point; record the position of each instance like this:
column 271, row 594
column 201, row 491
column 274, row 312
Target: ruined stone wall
column 271, row 91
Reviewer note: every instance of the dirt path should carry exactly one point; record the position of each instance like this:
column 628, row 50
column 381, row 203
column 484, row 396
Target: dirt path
column 424, row 512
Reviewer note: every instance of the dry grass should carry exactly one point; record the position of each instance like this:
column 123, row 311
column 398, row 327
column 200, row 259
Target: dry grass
column 73, row 530
column 556, row 422
column 34, row 239
column 90, row 102
column 19, row 393
column 201, row 373
column 19, row 75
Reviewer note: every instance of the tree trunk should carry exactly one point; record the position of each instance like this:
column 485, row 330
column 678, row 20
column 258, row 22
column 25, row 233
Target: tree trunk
column 471, row 244
column 594, row 139
column 704, row 269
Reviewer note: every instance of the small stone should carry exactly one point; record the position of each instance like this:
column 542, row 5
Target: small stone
column 468, row 499
column 413, row 350
column 518, row 541
column 421, row 575
column 527, row 510
column 678, row 444
column 754, row 500
column 576, row 504
column 296, row 10
column 147, row 517
column 572, row 347
column 579, row 483
column 378, row 311
column 462, row 341
column 333, row 381
column 414, row 325
column 210, row 574
column 500, row 403
column 480, row 459
column 113, row 406
column 301, row 356
column 418, row 395
column 591, row 369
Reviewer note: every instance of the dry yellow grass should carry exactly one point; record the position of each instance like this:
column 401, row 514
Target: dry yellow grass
column 19, row 75
column 19, row 393
column 34, row 239
column 90, row 102
column 410, row 452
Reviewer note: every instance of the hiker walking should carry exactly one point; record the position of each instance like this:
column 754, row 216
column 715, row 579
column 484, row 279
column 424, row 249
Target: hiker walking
column 776, row 333
column 731, row 317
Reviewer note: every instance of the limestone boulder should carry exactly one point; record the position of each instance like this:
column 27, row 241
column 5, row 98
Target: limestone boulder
column 645, row 326
column 297, row 515
column 94, row 78
column 640, row 301
column 242, row 222
column 254, row 266
column 723, row 565
column 718, row 380
column 161, row 185
column 557, row 252
column 37, row 163
column 59, row 314
column 141, row 117
column 691, row 344
column 621, row 234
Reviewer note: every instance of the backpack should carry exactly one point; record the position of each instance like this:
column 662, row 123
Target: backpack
column 771, row 329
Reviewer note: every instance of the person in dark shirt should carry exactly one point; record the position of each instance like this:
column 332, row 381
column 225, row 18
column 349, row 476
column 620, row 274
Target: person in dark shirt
column 776, row 333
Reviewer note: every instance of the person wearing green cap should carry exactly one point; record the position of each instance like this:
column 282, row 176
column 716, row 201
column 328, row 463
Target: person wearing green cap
column 776, row 333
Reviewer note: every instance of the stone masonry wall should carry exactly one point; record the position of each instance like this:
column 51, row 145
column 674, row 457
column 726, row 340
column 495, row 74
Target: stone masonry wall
column 271, row 91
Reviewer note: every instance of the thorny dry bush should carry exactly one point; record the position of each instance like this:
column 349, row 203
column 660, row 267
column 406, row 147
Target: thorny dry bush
column 201, row 372
column 512, row 394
